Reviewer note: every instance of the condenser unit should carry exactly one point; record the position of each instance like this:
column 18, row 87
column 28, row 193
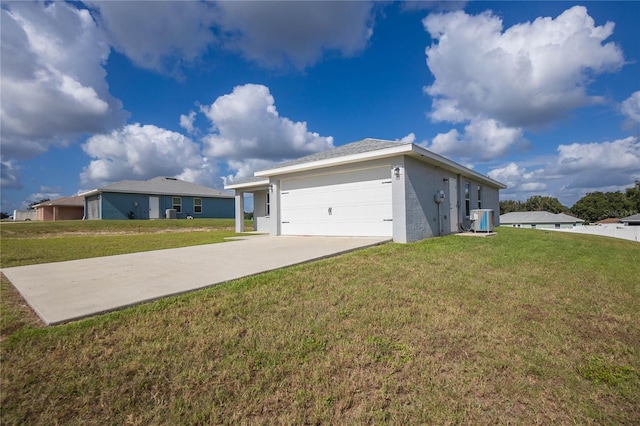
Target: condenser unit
column 482, row 220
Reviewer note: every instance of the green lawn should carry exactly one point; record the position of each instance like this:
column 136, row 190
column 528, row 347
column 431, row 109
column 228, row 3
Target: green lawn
column 28, row 243
column 526, row 327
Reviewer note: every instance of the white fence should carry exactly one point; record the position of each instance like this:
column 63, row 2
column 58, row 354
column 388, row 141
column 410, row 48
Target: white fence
column 606, row 230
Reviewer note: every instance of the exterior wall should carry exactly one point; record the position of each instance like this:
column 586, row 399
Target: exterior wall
column 260, row 217
column 416, row 214
column 125, row 206
column 121, row 205
column 541, row 225
column 50, row 213
column 424, row 217
column 44, row 213
column 274, row 221
column 92, row 207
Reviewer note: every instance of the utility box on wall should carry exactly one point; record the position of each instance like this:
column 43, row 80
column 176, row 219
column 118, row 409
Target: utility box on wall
column 482, row 220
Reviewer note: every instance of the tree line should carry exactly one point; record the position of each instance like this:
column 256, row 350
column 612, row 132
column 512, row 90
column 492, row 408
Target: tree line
column 592, row 207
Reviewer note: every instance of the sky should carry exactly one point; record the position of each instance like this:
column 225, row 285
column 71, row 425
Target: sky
column 541, row 96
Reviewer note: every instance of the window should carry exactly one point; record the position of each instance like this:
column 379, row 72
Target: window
column 197, row 205
column 267, row 207
column 467, row 198
column 176, row 204
column 479, row 197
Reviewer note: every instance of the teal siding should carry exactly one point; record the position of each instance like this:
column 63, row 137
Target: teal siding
column 121, row 206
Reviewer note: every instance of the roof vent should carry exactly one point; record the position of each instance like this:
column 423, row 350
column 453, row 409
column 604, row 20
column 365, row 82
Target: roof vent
column 168, row 178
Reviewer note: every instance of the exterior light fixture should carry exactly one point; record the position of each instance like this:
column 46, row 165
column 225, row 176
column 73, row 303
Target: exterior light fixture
column 396, row 172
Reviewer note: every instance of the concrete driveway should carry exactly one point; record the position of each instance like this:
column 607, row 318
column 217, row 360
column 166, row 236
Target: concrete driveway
column 65, row 291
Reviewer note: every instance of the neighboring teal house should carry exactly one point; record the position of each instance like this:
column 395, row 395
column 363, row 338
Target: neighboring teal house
column 157, row 198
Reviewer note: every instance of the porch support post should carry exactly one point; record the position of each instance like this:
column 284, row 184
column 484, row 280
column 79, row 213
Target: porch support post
column 239, row 211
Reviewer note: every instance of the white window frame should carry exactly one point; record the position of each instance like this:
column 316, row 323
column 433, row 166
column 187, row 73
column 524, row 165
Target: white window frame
column 467, row 199
column 267, row 205
column 479, row 196
column 177, row 206
column 195, row 206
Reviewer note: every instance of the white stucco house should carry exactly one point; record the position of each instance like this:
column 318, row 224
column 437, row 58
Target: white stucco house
column 368, row 188
column 540, row 219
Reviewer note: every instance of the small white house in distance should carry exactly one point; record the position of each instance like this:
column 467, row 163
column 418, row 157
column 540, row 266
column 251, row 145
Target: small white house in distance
column 540, row 219
column 368, row 188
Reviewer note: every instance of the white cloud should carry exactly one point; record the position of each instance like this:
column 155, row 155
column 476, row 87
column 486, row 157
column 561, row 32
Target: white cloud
column 576, row 170
column 482, row 140
column 42, row 195
column 246, row 127
column 9, row 174
column 517, row 178
column 171, row 34
column 53, row 81
column 622, row 155
column 244, row 168
column 186, row 121
column 630, row 107
column 144, row 152
column 530, row 74
column 159, row 36
column 410, row 138
column 275, row 34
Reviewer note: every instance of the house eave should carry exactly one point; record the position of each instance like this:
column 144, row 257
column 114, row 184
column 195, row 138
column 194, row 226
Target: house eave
column 338, row 161
column 412, row 150
column 254, row 186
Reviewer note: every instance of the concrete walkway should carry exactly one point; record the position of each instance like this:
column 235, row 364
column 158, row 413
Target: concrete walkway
column 65, row 291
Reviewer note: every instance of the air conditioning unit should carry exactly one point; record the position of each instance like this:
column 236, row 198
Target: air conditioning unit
column 482, row 220
column 171, row 213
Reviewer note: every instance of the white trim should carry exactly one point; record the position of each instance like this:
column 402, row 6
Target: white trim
column 259, row 184
column 404, row 149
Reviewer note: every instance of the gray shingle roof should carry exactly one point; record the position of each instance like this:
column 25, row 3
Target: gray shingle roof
column 632, row 218
column 365, row 145
column 537, row 217
column 166, row 186
column 76, row 200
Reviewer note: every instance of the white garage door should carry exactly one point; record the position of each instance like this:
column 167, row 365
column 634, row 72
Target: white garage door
column 356, row 203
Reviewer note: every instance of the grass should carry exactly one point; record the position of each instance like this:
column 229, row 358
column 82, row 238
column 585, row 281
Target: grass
column 28, row 243
column 527, row 327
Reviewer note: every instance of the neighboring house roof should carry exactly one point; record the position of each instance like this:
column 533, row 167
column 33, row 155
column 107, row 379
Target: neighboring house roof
column 366, row 149
column 75, row 201
column 632, row 218
column 161, row 186
column 537, row 217
column 609, row 220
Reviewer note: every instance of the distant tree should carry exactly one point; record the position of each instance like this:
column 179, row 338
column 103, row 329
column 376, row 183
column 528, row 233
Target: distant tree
column 4, row 215
column 633, row 195
column 619, row 204
column 30, row 206
column 596, row 206
column 544, row 203
column 508, row 206
column 534, row 203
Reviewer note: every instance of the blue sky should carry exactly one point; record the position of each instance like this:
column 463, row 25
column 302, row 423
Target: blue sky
column 542, row 96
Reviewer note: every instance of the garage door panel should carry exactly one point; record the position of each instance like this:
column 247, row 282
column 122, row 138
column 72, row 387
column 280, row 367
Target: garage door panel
column 348, row 204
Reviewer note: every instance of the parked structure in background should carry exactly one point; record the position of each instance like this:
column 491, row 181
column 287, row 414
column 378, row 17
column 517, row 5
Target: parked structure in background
column 66, row 208
column 633, row 220
column 371, row 188
column 160, row 197
column 24, row 215
column 540, row 219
